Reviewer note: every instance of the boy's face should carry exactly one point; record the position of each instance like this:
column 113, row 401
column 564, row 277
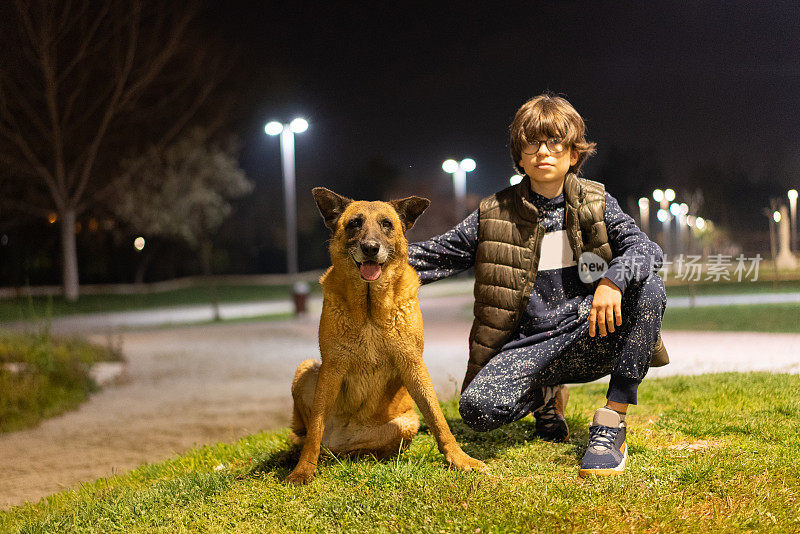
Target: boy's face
column 544, row 165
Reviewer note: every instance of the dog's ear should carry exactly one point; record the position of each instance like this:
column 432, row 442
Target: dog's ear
column 409, row 209
column 330, row 205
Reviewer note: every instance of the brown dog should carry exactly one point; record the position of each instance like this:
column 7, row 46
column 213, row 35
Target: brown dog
column 370, row 338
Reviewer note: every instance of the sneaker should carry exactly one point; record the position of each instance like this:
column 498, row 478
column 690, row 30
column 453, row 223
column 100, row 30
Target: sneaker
column 550, row 422
column 607, row 449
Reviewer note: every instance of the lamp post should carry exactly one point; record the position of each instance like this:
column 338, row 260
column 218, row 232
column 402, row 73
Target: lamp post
column 792, row 194
column 287, row 131
column 459, row 172
column 774, row 217
column 664, row 198
column 663, row 216
column 644, row 214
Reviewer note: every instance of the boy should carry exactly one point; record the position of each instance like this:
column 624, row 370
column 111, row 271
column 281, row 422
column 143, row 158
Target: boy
column 541, row 318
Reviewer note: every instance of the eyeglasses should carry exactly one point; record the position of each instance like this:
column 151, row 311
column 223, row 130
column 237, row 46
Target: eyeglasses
column 554, row 146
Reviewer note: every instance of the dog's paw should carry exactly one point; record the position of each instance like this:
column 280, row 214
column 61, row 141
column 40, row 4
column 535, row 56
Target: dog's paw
column 299, row 478
column 463, row 462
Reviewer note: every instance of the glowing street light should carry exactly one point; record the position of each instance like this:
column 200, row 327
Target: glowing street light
column 658, row 195
column 287, row 131
column 669, row 194
column 138, row 243
column 459, row 172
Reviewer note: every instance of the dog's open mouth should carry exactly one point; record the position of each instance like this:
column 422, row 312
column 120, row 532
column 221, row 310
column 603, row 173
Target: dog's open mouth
column 370, row 270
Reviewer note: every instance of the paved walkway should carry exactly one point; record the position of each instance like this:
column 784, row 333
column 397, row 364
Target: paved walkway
column 94, row 322
column 194, row 385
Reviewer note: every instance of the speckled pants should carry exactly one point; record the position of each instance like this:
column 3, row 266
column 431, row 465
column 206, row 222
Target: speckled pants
column 507, row 388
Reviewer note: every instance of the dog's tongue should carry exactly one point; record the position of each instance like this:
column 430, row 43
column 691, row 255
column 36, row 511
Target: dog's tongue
column 370, row 270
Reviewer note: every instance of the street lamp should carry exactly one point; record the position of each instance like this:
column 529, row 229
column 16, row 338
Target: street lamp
column 792, row 194
column 644, row 214
column 287, row 131
column 459, row 172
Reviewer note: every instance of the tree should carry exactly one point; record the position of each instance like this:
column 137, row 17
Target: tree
column 181, row 192
column 80, row 83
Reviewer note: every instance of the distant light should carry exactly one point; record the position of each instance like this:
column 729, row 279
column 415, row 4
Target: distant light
column 776, row 216
column 514, row 180
column 4, row 240
column 273, row 128
column 669, row 194
column 138, row 243
column 792, row 194
column 675, row 209
column 658, row 195
column 701, row 223
column 467, row 164
column 684, row 208
column 450, row 166
column 299, row 125
column 662, row 215
column 644, row 203
column 52, row 217
column 690, row 220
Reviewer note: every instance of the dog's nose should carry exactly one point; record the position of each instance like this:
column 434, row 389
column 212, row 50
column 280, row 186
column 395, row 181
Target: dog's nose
column 370, row 248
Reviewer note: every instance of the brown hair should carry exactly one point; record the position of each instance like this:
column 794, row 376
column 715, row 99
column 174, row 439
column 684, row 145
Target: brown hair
column 548, row 115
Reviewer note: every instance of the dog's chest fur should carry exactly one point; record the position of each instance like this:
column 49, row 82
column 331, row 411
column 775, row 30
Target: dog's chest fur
column 372, row 343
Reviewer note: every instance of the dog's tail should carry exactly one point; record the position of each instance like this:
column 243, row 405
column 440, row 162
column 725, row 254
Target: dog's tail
column 298, row 427
column 299, row 386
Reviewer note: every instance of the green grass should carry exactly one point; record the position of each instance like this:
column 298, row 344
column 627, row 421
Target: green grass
column 723, row 287
column 712, row 453
column 55, row 376
column 24, row 308
column 749, row 318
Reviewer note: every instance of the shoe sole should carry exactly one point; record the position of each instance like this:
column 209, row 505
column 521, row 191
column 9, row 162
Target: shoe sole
column 609, row 472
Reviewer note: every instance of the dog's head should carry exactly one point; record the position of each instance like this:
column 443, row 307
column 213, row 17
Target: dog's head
column 368, row 237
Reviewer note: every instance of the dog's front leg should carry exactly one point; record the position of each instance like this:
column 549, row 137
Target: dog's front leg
column 418, row 383
column 329, row 382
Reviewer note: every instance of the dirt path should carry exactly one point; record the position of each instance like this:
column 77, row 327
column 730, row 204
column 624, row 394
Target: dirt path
column 186, row 386
column 199, row 385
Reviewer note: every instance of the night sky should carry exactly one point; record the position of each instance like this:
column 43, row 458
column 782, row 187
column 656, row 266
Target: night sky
column 698, row 96
column 682, row 82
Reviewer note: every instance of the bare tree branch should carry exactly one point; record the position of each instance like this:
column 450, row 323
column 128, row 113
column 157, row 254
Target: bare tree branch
column 111, row 110
column 87, row 40
column 88, row 83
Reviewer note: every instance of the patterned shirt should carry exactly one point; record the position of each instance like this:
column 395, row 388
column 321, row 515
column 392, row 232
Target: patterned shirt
column 557, row 292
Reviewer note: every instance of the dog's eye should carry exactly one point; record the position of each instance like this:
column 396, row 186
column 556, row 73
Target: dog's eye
column 386, row 223
column 354, row 223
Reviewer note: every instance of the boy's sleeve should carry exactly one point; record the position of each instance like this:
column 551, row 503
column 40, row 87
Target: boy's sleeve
column 446, row 254
column 634, row 255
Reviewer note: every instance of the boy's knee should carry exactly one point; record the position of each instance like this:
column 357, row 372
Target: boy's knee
column 651, row 292
column 475, row 411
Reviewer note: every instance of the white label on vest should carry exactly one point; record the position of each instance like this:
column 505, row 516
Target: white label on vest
column 556, row 252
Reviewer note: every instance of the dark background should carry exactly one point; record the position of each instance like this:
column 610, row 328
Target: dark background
column 701, row 97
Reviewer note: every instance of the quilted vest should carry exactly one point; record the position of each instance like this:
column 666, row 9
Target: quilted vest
column 507, row 258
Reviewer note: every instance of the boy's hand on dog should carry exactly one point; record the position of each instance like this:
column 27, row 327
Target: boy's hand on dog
column 460, row 460
column 606, row 308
